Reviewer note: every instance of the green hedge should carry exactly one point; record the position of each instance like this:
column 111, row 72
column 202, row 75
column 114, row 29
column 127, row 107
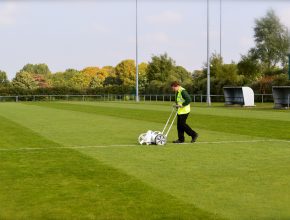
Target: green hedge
column 11, row 91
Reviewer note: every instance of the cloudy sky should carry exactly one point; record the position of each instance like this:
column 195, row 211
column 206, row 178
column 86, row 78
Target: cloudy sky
column 76, row 34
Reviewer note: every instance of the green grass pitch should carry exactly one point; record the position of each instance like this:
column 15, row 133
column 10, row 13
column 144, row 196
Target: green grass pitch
column 81, row 160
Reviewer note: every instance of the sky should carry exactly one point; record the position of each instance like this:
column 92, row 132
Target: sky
column 77, row 34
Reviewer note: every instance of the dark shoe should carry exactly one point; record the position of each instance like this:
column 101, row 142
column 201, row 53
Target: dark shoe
column 194, row 138
column 178, row 142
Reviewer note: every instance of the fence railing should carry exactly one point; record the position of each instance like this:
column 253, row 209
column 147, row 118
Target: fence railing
column 263, row 98
column 196, row 98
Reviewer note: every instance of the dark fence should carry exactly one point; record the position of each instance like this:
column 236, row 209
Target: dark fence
column 197, row 98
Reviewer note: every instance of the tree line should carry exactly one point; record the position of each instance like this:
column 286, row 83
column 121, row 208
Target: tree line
column 263, row 66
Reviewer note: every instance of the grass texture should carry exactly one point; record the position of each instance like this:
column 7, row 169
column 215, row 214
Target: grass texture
column 81, row 160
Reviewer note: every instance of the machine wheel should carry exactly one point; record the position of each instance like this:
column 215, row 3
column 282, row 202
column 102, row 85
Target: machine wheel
column 141, row 138
column 160, row 139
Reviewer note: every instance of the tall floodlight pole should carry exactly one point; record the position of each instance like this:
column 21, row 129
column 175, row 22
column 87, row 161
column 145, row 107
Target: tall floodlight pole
column 137, row 69
column 220, row 28
column 288, row 54
column 208, row 59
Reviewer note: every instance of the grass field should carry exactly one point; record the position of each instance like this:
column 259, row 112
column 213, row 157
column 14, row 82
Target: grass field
column 80, row 160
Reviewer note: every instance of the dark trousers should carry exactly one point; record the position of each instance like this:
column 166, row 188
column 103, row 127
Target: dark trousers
column 183, row 127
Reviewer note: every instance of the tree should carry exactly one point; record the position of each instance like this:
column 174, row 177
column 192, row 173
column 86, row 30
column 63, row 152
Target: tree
column 95, row 82
column 102, row 74
column 69, row 73
column 226, row 73
column 229, row 74
column 160, row 68
column 182, row 75
column 41, row 81
column 143, row 79
column 110, row 70
column 92, row 71
column 24, row 80
column 80, row 80
column 264, row 84
column 112, row 78
column 41, row 69
column 216, row 63
column 221, row 75
column 96, row 76
column 162, row 71
column 272, row 41
column 40, row 73
column 62, row 79
column 249, row 67
column 3, row 79
column 58, row 80
column 156, row 86
column 126, row 72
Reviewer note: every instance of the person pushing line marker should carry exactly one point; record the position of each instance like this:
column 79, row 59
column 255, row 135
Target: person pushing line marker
column 182, row 100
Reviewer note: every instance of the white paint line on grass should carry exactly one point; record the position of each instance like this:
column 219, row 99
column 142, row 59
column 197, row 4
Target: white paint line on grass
column 136, row 145
column 50, row 148
column 251, row 141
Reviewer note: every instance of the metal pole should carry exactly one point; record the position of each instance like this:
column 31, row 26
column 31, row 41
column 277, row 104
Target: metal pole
column 208, row 59
column 137, row 71
column 288, row 54
column 220, row 28
column 289, row 65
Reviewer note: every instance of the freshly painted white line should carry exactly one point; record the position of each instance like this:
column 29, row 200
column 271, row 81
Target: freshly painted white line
column 48, row 148
column 136, row 145
column 250, row 141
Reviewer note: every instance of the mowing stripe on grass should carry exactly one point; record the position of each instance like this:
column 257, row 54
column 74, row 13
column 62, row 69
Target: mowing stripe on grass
column 230, row 124
column 227, row 172
column 66, row 184
column 137, row 145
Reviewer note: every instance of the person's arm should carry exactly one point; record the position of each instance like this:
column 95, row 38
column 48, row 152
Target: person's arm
column 186, row 98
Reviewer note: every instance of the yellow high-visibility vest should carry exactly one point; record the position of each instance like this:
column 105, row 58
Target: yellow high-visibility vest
column 180, row 100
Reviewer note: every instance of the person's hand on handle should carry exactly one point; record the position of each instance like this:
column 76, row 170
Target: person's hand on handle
column 177, row 106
